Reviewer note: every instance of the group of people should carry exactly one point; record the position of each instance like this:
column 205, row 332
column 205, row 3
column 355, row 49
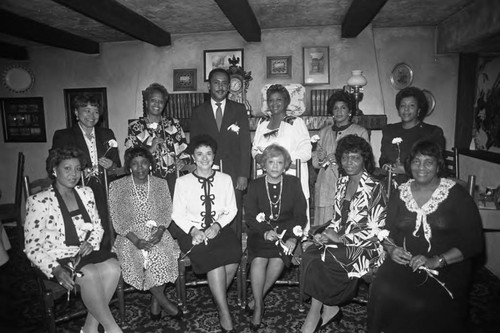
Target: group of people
column 429, row 230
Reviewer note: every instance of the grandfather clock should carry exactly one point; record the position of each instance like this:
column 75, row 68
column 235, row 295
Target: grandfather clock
column 239, row 81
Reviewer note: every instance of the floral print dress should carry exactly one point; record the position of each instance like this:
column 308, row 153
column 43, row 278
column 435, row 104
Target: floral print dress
column 141, row 132
column 331, row 271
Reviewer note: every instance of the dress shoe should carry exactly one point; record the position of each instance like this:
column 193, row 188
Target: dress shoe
column 227, row 331
column 335, row 319
column 179, row 315
column 155, row 317
column 255, row 327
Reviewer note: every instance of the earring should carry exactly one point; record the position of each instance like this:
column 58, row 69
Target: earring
column 150, row 168
column 130, row 170
column 54, row 173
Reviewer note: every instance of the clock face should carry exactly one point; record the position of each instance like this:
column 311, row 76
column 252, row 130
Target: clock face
column 235, row 84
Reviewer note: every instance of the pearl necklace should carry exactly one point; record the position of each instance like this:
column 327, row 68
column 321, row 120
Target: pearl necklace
column 137, row 193
column 277, row 202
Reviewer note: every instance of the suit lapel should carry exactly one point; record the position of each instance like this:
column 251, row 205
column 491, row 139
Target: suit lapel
column 80, row 142
column 100, row 142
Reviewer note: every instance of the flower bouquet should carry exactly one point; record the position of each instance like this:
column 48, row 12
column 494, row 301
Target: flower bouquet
column 317, row 146
column 299, row 232
column 75, row 260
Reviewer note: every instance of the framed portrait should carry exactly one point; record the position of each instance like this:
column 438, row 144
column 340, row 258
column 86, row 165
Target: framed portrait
column 316, row 65
column 220, row 59
column 96, row 93
column 185, row 79
column 279, row 67
column 23, row 119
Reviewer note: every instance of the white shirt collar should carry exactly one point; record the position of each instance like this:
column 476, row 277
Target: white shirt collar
column 214, row 106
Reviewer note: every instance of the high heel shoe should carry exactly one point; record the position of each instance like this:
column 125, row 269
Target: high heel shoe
column 155, row 317
column 255, row 327
column 335, row 319
column 178, row 316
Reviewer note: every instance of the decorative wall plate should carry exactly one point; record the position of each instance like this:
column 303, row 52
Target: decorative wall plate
column 18, row 78
column 431, row 100
column 401, row 76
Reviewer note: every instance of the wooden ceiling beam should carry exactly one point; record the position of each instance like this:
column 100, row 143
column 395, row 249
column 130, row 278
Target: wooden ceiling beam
column 359, row 15
column 119, row 17
column 22, row 27
column 13, row 52
column 475, row 28
column 242, row 17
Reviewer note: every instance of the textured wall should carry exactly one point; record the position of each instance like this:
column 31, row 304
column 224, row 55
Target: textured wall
column 126, row 68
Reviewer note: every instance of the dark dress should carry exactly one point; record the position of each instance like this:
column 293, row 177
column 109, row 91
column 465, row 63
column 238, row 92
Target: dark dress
column 292, row 212
column 405, row 301
column 199, row 202
column 74, row 137
column 389, row 150
column 330, row 274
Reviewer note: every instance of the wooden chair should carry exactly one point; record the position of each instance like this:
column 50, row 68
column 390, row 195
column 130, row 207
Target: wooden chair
column 50, row 291
column 242, row 269
column 183, row 263
column 11, row 212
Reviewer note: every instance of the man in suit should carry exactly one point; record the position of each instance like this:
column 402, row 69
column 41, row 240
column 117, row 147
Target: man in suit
column 94, row 142
column 227, row 122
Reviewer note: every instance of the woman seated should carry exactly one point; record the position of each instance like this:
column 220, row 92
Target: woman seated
column 204, row 206
column 347, row 248
column 62, row 236
column 140, row 209
column 340, row 106
column 435, row 231
column 161, row 134
column 287, row 131
column 412, row 107
column 274, row 206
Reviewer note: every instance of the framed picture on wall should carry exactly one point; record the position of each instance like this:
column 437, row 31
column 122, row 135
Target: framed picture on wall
column 220, row 59
column 185, row 79
column 316, row 65
column 23, row 119
column 98, row 94
column 279, row 67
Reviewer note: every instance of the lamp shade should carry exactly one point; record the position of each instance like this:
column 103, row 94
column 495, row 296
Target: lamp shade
column 357, row 79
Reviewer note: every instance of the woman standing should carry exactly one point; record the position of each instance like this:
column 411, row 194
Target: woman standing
column 204, row 206
column 161, row 135
column 349, row 243
column 289, row 132
column 96, row 143
column 412, row 107
column 340, row 105
column 274, row 206
column 434, row 225
column 62, row 226
column 140, row 208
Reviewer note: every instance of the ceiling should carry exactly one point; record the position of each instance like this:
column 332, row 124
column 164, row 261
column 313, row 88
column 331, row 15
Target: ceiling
column 462, row 25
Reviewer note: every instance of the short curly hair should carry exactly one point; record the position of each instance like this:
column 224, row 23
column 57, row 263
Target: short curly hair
column 419, row 96
column 203, row 140
column 355, row 144
column 340, row 96
column 215, row 71
column 278, row 88
column 84, row 99
column 146, row 94
column 57, row 155
column 134, row 152
column 274, row 150
column 427, row 148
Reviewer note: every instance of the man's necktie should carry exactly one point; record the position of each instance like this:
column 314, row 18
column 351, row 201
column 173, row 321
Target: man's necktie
column 218, row 116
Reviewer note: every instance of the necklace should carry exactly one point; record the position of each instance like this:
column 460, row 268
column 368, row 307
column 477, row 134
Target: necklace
column 277, row 203
column 137, row 193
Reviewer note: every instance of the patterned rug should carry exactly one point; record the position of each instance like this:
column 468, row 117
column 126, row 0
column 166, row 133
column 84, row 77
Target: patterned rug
column 20, row 310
